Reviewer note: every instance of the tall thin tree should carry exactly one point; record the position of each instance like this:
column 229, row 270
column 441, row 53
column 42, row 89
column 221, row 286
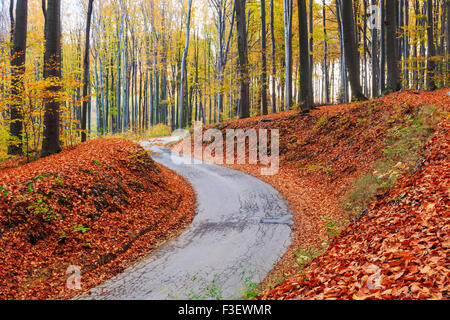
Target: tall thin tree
column 288, row 13
column 392, row 49
column 305, row 93
column 18, row 73
column 86, row 74
column 52, row 70
column 351, row 50
column 263, row 59
column 241, row 26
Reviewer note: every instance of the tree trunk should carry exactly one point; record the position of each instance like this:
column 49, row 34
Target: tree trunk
column 243, row 58
column 382, row 67
column 274, row 65
column 288, row 53
column 181, row 116
column 351, row 50
column 431, row 85
column 305, row 93
column 18, row 73
column 375, row 58
column 86, row 74
column 392, row 54
column 52, row 69
column 325, row 54
column 264, row 59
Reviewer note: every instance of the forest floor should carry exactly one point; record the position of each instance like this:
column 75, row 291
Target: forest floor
column 368, row 187
column 99, row 206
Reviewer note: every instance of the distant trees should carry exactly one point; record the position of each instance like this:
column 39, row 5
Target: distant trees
column 135, row 69
column 18, row 73
column 52, row 72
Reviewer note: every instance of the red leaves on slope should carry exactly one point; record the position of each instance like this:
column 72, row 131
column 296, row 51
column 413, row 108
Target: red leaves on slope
column 99, row 206
column 399, row 250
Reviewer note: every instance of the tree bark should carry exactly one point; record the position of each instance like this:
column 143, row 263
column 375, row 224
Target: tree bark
column 17, row 78
column 274, row 65
column 86, row 74
column 392, row 53
column 243, row 58
column 52, row 69
column 431, row 85
column 181, row 115
column 351, row 51
column 325, row 54
column 264, row 59
column 304, row 92
column 288, row 53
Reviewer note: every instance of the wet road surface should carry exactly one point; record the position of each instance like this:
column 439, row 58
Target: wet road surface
column 241, row 229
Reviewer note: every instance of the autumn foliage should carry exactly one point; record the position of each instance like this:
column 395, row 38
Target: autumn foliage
column 399, row 250
column 399, row 232
column 97, row 206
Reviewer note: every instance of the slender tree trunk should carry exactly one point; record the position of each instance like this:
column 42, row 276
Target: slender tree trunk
column 52, row 69
column 288, row 53
column 263, row 59
column 274, row 65
column 392, row 54
column 86, row 74
column 181, row 116
column 375, row 58
column 351, row 50
column 431, row 85
column 18, row 73
column 305, row 93
column 310, row 53
column 448, row 42
column 325, row 54
column 243, row 58
column 382, row 67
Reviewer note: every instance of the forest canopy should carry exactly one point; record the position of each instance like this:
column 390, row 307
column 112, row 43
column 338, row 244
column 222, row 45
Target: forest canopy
column 77, row 70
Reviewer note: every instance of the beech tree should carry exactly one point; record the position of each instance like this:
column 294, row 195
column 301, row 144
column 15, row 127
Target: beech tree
column 351, row 50
column 305, row 87
column 52, row 71
column 86, row 73
column 18, row 72
column 241, row 26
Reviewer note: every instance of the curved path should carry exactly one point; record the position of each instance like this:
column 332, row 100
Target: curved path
column 241, row 229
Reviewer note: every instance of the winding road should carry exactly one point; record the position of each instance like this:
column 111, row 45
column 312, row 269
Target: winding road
column 241, row 229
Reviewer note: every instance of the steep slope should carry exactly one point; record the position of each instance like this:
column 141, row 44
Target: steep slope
column 98, row 206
